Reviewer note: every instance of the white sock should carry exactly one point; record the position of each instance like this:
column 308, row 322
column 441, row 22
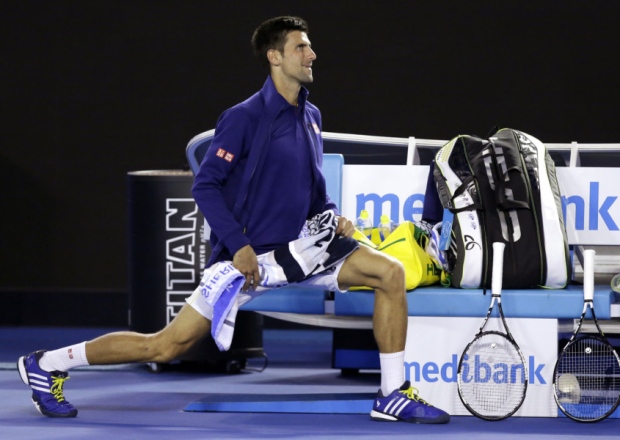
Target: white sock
column 392, row 371
column 65, row 358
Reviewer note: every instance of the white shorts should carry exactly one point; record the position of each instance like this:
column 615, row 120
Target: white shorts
column 327, row 280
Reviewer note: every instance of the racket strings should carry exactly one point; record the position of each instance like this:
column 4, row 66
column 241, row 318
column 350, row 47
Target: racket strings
column 587, row 379
column 493, row 377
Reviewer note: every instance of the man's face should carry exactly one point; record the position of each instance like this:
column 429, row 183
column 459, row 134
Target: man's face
column 298, row 57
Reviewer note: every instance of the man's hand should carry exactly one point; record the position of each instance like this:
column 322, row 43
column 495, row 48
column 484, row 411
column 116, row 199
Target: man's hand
column 245, row 261
column 345, row 227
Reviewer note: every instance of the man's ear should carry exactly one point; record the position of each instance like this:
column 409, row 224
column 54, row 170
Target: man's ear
column 274, row 57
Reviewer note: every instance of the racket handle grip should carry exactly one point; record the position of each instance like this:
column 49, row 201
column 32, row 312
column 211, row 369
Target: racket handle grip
column 588, row 274
column 498, row 268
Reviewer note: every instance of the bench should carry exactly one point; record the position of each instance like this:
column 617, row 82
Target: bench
column 353, row 309
column 443, row 301
column 349, row 315
column 436, row 310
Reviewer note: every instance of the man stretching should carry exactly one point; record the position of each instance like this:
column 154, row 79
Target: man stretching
column 258, row 184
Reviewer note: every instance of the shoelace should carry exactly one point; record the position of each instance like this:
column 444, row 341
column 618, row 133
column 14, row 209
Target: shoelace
column 56, row 388
column 412, row 393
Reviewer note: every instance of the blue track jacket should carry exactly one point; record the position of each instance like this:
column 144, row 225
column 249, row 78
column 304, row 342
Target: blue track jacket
column 232, row 183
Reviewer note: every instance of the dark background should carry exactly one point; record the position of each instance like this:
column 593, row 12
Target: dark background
column 94, row 89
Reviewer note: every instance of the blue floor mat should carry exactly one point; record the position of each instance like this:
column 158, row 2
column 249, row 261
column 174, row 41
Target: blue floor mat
column 330, row 403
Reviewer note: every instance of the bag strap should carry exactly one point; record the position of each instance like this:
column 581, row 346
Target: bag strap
column 501, row 200
column 459, row 191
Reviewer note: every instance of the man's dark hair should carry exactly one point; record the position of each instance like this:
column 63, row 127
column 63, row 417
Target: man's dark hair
column 272, row 35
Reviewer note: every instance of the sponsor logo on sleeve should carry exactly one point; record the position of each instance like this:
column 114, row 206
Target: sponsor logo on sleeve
column 227, row 156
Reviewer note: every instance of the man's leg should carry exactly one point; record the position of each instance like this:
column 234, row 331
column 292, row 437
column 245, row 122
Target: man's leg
column 397, row 400
column 187, row 328
column 385, row 274
column 45, row 372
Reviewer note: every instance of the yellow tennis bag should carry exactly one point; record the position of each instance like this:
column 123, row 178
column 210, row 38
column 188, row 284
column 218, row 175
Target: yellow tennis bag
column 406, row 243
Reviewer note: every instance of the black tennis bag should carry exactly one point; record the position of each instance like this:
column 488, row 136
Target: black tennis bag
column 503, row 188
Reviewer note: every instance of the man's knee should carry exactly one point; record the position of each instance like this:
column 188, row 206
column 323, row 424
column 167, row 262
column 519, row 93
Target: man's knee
column 164, row 349
column 367, row 267
column 393, row 277
column 172, row 341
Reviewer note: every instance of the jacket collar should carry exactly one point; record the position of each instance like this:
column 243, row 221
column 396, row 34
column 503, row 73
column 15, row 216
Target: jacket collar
column 274, row 102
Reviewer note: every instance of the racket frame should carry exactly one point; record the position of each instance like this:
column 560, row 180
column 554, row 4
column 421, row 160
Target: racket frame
column 496, row 298
column 588, row 303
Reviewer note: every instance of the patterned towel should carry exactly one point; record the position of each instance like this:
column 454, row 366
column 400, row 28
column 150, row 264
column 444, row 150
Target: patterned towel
column 300, row 259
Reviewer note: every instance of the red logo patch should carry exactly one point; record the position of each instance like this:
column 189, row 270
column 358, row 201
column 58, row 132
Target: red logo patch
column 70, row 353
column 225, row 155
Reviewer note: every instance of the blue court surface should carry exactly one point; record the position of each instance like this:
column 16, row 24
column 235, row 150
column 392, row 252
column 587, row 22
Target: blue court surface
column 298, row 396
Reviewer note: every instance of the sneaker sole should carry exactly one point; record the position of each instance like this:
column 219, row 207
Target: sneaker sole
column 21, row 367
column 381, row 417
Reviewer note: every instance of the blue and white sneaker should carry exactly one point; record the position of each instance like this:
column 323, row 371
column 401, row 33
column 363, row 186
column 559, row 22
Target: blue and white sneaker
column 432, row 248
column 405, row 405
column 46, row 386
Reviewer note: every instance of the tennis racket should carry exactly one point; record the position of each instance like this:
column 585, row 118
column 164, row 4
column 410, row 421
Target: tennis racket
column 586, row 378
column 492, row 374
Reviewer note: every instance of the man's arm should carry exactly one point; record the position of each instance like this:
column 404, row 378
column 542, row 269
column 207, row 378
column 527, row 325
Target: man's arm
column 210, row 182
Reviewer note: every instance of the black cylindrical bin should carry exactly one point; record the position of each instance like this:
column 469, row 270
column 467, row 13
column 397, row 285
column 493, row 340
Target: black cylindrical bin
column 167, row 255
